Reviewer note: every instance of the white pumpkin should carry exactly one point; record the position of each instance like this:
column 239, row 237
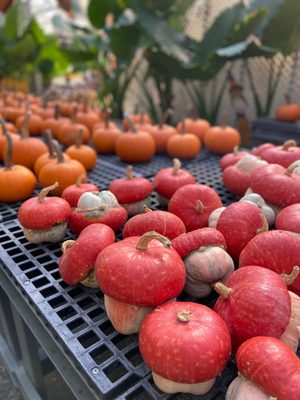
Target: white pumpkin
column 90, row 200
column 257, row 200
column 214, row 217
column 250, row 163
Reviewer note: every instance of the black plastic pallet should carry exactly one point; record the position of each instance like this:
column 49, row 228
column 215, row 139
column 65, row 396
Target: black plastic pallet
column 274, row 131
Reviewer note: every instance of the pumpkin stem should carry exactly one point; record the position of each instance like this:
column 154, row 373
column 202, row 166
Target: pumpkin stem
column 48, row 137
column 265, row 225
column 24, row 128
column 289, row 279
column 164, row 117
column 152, row 235
column 74, row 113
column 67, row 245
column 142, row 121
column 43, row 193
column 9, row 150
column 199, row 206
column 79, row 180
column 106, row 116
column 222, row 290
column 59, row 154
column 129, row 172
column 193, row 113
column 289, row 143
column 182, row 130
column 147, row 209
column 290, row 169
column 224, row 121
column 79, row 136
column 183, row 316
column 56, row 111
column 176, row 166
column 132, row 127
column 4, row 128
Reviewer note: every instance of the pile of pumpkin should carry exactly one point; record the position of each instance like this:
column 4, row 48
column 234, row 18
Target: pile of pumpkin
column 194, row 247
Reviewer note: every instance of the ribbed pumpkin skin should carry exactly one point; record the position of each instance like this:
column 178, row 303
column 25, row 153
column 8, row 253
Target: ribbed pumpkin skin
column 135, row 147
column 258, row 305
column 16, row 184
column 271, row 365
column 84, row 154
column 104, row 139
column 276, row 155
column 166, row 182
column 278, row 251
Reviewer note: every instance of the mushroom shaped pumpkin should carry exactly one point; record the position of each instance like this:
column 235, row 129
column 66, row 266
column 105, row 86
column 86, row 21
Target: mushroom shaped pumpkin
column 16, row 181
column 133, row 193
column 44, row 219
column 237, row 177
column 283, row 155
column 168, row 180
column 256, row 151
column 232, row 158
column 277, row 185
column 77, row 264
column 163, row 222
column 254, row 302
column 239, row 223
column 275, row 250
column 72, row 193
column 137, row 274
column 193, row 204
column 186, row 345
column 205, row 260
column 288, row 219
column 97, row 207
column 271, row 365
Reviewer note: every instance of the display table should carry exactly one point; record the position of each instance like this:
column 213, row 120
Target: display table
column 43, row 318
column 270, row 130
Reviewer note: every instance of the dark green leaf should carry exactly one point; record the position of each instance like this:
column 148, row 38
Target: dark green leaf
column 250, row 47
column 271, row 6
column 283, row 30
column 124, row 41
column 35, row 29
column 98, row 10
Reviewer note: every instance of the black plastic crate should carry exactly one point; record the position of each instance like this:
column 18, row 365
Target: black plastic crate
column 110, row 361
column 274, row 131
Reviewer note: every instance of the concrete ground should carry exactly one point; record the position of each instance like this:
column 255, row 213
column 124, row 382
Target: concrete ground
column 56, row 388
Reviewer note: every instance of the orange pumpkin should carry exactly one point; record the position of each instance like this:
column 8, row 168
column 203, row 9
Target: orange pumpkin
column 5, row 128
column 137, row 119
column 197, row 126
column 12, row 113
column 35, row 124
column 183, row 145
column 67, row 133
column 16, row 182
column 28, row 149
column 49, row 157
column 87, row 118
column 161, row 133
column 135, row 146
column 83, row 153
column 54, row 123
column 105, row 136
column 221, row 139
column 289, row 112
column 65, row 172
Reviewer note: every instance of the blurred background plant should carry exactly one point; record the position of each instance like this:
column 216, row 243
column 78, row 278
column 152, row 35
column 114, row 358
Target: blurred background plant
column 145, row 49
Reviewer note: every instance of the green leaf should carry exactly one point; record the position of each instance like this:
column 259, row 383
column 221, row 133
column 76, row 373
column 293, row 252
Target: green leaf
column 98, row 10
column 283, row 30
column 35, row 29
column 17, row 20
column 124, row 41
column 24, row 48
column 218, row 34
column 271, row 6
column 251, row 47
column 170, row 41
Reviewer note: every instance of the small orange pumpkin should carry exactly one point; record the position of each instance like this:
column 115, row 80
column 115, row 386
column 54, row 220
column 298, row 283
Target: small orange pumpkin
column 83, row 153
column 35, row 124
column 162, row 132
column 135, row 146
column 5, row 128
column 87, row 118
column 197, row 126
column 49, row 157
column 67, row 133
column 137, row 119
column 54, row 123
column 28, row 149
column 288, row 112
column 221, row 139
column 65, row 172
column 16, row 181
column 105, row 136
column 183, row 145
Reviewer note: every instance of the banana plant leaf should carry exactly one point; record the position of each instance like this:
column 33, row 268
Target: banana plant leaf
column 251, row 47
column 17, row 20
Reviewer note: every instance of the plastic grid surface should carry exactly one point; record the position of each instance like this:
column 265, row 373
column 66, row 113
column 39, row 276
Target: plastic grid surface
column 75, row 315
